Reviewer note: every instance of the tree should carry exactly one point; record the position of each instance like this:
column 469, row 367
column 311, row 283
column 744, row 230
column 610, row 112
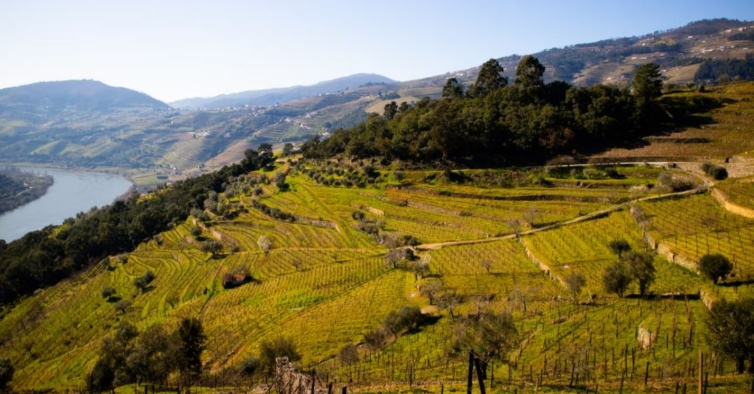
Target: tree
column 647, row 82
column 391, row 109
column 149, row 360
column 211, row 246
column 420, row 269
column 405, row 319
column 143, row 281
column 618, row 246
column 487, row 265
column 575, row 282
column 430, row 290
column 452, row 89
column 490, row 78
column 265, row 150
column 280, row 181
column 449, row 300
column 278, row 347
column 640, row 267
column 196, row 231
column 715, row 266
column 529, row 73
column 6, row 373
column 101, row 378
column 191, row 345
column 287, row 149
column 732, row 327
column 616, row 278
column 490, row 335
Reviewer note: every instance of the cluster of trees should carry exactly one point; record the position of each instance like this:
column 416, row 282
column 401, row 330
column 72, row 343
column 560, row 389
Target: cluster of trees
column 42, row 258
column 494, row 122
column 149, row 357
column 631, row 265
column 723, row 70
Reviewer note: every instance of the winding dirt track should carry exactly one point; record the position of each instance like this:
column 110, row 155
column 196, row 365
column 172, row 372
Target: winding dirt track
column 594, row 215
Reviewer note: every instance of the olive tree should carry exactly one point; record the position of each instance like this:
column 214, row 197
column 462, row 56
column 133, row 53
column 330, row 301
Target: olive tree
column 715, row 266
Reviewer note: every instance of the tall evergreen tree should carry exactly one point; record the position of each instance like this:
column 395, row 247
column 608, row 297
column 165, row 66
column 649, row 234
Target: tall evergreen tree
column 452, row 89
column 191, row 345
column 529, row 73
column 647, row 83
column 489, row 79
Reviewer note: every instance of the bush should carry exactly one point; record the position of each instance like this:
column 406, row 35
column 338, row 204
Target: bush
column 108, row 292
column 715, row 266
column 575, row 282
column 716, row 172
column 122, row 306
column 376, row 339
column 278, row 347
column 348, row 355
column 250, row 366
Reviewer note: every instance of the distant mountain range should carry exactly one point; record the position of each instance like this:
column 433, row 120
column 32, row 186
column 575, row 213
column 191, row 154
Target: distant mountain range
column 281, row 95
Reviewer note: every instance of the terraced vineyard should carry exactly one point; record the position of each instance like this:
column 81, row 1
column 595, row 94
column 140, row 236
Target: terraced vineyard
column 323, row 279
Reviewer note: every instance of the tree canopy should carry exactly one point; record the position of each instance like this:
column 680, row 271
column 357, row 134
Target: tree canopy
column 526, row 123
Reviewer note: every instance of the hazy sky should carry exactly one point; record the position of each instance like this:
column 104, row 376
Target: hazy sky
column 178, row 49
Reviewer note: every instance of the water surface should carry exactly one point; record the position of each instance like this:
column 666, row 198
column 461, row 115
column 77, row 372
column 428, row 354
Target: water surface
column 72, row 192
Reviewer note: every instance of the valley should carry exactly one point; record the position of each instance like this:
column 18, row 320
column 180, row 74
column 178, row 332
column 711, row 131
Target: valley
column 578, row 220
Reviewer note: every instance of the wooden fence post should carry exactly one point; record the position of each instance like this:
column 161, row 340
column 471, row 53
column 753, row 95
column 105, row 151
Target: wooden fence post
column 469, row 377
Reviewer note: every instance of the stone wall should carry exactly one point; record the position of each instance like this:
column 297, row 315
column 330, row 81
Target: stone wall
column 290, row 381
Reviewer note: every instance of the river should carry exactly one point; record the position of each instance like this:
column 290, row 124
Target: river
column 72, row 192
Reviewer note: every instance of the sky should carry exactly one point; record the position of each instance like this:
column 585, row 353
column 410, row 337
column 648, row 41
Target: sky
column 179, row 49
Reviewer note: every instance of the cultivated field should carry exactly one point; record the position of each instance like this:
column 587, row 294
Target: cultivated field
column 323, row 281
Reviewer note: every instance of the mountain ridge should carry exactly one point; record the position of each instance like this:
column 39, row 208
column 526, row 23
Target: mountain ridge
column 83, row 94
column 275, row 95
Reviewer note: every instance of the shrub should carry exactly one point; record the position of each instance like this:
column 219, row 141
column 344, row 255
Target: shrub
column 108, row 292
column 348, row 355
column 250, row 366
column 122, row 306
column 715, row 266
column 278, row 347
column 575, row 282
column 716, row 172
column 376, row 339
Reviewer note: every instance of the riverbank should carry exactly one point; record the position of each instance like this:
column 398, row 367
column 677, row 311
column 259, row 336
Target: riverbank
column 18, row 188
column 72, row 192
